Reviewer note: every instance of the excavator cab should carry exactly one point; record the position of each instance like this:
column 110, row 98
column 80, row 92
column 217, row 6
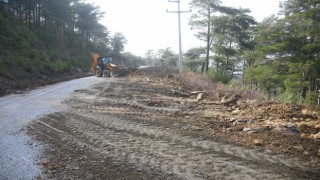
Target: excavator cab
column 103, row 67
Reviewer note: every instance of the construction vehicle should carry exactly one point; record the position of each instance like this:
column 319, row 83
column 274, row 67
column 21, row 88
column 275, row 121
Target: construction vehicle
column 102, row 66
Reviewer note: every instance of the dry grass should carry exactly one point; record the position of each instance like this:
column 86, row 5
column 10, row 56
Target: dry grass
column 200, row 82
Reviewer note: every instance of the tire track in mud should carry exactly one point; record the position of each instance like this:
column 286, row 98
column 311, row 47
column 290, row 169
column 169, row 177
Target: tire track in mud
column 124, row 89
column 173, row 135
column 149, row 148
column 84, row 153
column 94, row 122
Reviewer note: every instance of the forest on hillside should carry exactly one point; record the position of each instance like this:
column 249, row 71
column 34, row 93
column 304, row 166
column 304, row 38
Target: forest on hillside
column 279, row 56
column 56, row 33
column 43, row 39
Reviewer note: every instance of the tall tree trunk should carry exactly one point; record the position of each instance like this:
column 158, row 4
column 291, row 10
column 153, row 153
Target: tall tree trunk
column 26, row 12
column 203, row 65
column 61, row 34
column 208, row 41
column 38, row 18
column 220, row 46
column 226, row 65
column 80, row 44
column 34, row 21
column 228, row 58
column 30, row 17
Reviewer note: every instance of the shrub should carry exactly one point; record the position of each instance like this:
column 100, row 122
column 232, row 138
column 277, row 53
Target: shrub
column 201, row 82
column 218, row 76
column 312, row 98
column 61, row 66
column 82, row 62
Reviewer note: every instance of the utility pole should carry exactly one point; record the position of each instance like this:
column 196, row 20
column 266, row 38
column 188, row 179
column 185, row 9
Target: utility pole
column 180, row 48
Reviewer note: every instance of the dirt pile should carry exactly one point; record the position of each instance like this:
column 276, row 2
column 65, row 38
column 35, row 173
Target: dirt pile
column 288, row 128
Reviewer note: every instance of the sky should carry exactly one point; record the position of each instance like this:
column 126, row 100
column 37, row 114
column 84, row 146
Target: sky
column 147, row 26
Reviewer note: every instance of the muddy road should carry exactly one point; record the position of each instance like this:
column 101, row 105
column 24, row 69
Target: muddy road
column 137, row 128
column 20, row 155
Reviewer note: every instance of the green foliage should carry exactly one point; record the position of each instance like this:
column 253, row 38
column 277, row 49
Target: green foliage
column 261, row 74
column 61, row 66
column 132, row 60
column 193, row 65
column 235, row 83
column 59, row 36
column 25, row 63
column 167, row 59
column 311, row 98
column 218, row 76
column 291, row 91
column 118, row 41
column 81, row 61
column 3, row 68
column 193, row 59
column 287, row 55
column 265, row 78
column 150, row 57
column 227, row 33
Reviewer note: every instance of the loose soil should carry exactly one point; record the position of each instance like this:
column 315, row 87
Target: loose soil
column 147, row 126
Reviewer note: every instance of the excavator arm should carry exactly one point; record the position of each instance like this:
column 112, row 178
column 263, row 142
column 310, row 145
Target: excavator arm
column 102, row 66
column 94, row 62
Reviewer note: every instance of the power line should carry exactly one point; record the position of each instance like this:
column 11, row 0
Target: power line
column 180, row 48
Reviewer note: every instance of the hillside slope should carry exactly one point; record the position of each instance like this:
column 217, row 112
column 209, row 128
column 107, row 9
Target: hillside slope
column 27, row 61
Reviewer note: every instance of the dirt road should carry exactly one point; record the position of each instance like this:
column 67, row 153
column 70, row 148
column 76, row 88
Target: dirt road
column 137, row 128
column 19, row 154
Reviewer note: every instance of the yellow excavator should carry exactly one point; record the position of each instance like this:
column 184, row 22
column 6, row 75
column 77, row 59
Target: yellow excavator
column 102, row 66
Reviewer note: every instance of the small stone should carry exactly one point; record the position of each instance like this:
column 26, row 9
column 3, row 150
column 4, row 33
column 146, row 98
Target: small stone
column 198, row 129
column 316, row 136
column 246, row 129
column 257, row 142
column 239, row 121
column 306, row 153
column 280, row 128
column 252, row 121
column 268, row 151
column 200, row 96
column 292, row 128
column 299, row 148
column 269, row 127
column 235, row 112
column 253, row 130
column 303, row 135
column 226, row 130
column 232, row 119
